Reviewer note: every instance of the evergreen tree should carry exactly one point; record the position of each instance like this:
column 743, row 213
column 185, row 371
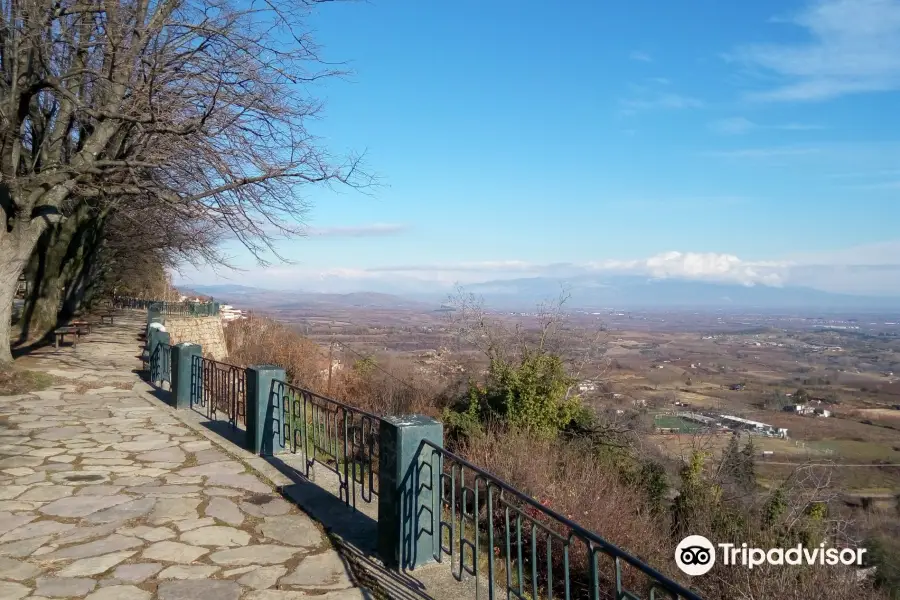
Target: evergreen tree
column 696, row 506
column 653, row 480
column 747, row 473
column 731, row 458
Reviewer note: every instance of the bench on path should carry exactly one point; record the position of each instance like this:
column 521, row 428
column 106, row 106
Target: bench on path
column 107, row 317
column 84, row 327
column 62, row 332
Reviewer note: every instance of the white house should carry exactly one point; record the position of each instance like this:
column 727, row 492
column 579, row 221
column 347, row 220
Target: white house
column 230, row 313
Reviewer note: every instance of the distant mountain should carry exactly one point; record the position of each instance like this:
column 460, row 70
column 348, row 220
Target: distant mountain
column 222, row 290
column 589, row 291
column 251, row 297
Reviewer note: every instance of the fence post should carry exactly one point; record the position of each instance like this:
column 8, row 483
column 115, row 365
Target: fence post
column 408, row 479
column 153, row 339
column 182, row 359
column 262, row 389
column 158, row 337
column 154, row 315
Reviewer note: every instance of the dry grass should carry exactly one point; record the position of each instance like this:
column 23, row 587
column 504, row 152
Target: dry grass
column 264, row 341
column 18, row 381
column 587, row 492
column 561, row 475
column 375, row 389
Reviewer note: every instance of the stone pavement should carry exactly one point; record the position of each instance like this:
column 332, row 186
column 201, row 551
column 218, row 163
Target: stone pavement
column 106, row 495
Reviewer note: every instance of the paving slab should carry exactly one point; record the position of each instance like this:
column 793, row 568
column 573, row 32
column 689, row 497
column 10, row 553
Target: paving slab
column 106, row 495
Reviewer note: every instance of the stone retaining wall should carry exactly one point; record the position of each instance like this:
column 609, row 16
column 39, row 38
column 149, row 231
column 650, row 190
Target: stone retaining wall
column 206, row 331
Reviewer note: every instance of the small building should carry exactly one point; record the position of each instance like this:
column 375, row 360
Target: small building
column 696, row 418
column 230, row 313
column 753, row 426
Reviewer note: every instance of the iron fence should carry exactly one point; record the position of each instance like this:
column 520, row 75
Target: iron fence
column 185, row 309
column 161, row 364
column 515, row 546
column 341, row 438
column 218, row 387
column 167, row 308
column 129, row 302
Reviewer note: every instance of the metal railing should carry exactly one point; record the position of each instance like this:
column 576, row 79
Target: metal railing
column 168, row 308
column 509, row 542
column 218, row 387
column 161, row 364
column 185, row 309
column 341, row 438
column 515, row 546
column 131, row 302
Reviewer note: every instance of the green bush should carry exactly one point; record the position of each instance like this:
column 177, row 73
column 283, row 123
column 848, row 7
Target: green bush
column 884, row 555
column 530, row 395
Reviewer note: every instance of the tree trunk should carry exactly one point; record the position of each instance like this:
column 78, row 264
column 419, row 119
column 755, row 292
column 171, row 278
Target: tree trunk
column 58, row 264
column 15, row 248
column 83, row 277
column 45, row 274
column 7, row 294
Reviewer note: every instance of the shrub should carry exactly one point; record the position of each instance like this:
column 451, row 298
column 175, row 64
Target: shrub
column 531, row 394
column 884, row 555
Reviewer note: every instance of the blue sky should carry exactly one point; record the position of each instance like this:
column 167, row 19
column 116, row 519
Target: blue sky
column 742, row 141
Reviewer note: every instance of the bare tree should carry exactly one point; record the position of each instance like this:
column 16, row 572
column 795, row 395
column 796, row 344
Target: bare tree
column 96, row 246
column 196, row 105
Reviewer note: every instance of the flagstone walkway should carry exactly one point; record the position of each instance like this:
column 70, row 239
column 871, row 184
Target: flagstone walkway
column 105, row 495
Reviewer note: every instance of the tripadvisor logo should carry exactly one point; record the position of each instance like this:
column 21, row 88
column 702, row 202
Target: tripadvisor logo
column 696, row 555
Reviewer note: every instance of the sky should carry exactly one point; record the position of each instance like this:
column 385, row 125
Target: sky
column 751, row 142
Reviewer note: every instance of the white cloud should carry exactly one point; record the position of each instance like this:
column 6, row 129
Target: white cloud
column 464, row 267
column 683, row 265
column 868, row 269
column 741, row 125
column 883, row 185
column 776, row 152
column 733, row 126
column 660, row 101
column 653, row 94
column 854, row 48
column 374, row 229
column 640, row 56
column 720, row 267
column 874, row 254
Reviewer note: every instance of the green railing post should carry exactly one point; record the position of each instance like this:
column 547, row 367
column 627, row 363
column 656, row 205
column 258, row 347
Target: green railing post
column 154, row 314
column 182, row 359
column 158, row 338
column 153, row 340
column 408, row 479
column 261, row 418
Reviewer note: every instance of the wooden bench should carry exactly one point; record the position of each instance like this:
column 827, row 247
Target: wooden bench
column 62, row 332
column 107, row 318
column 84, row 327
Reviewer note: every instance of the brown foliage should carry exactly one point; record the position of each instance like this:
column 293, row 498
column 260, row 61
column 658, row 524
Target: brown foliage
column 564, row 475
column 589, row 493
column 261, row 340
